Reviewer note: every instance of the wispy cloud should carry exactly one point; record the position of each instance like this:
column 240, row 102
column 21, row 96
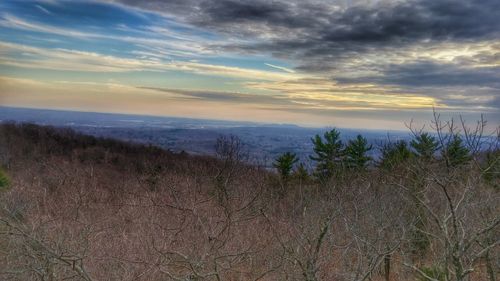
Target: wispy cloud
column 176, row 47
column 43, row 9
column 281, row 68
column 63, row 59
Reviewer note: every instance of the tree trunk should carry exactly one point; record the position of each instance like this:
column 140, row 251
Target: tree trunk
column 489, row 267
column 387, row 267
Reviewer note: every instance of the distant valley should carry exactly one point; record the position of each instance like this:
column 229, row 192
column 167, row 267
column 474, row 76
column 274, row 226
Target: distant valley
column 263, row 142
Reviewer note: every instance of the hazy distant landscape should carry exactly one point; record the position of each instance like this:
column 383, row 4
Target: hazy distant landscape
column 264, row 142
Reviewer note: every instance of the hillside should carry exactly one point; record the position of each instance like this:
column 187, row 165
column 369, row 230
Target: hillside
column 78, row 207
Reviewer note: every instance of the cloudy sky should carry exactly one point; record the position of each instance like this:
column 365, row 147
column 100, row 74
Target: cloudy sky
column 358, row 63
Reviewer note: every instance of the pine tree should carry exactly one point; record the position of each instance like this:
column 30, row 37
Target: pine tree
column 284, row 164
column 328, row 153
column 456, row 153
column 424, row 146
column 356, row 153
column 394, row 154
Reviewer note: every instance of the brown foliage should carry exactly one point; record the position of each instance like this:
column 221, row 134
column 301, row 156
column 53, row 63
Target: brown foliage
column 85, row 208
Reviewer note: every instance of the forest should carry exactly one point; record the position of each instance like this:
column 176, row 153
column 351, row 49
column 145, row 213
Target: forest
column 77, row 207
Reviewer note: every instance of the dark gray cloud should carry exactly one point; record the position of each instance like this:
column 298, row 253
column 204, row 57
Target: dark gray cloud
column 432, row 74
column 325, row 36
column 352, row 32
column 457, row 87
column 496, row 104
column 229, row 11
column 322, row 27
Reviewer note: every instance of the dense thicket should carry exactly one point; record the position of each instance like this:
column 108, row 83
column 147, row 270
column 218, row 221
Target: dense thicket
column 75, row 207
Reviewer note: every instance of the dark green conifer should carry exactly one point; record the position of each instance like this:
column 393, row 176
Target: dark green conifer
column 456, row 153
column 424, row 146
column 328, row 153
column 284, row 164
column 356, row 153
column 393, row 154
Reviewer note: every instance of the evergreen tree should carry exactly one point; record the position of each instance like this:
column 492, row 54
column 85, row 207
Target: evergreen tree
column 424, row 146
column 456, row 153
column 328, row 153
column 394, row 154
column 284, row 164
column 356, row 153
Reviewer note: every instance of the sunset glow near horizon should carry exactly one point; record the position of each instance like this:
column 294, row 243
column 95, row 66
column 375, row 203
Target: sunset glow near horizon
column 360, row 64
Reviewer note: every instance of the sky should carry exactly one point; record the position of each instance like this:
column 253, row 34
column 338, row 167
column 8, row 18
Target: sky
column 359, row 63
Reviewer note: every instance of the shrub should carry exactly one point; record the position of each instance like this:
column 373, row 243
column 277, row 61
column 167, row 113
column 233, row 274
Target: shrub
column 435, row 272
column 4, row 180
column 491, row 168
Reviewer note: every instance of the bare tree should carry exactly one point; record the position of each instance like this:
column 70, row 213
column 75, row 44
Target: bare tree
column 456, row 203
